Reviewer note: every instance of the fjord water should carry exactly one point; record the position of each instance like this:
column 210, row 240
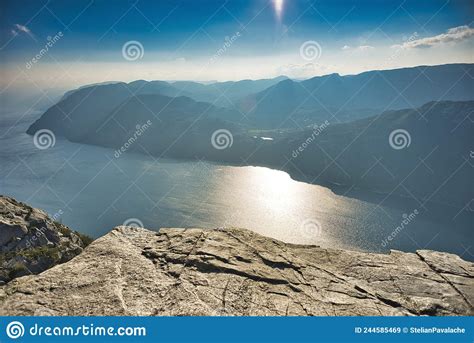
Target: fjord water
column 90, row 190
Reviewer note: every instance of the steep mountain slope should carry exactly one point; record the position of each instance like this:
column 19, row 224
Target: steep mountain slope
column 78, row 113
column 179, row 127
column 31, row 241
column 429, row 159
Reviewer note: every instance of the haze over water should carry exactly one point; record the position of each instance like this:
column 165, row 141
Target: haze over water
column 91, row 191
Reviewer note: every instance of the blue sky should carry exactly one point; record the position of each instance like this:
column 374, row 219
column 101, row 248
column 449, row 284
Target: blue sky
column 182, row 39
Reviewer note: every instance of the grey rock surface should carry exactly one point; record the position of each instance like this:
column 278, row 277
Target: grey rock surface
column 133, row 271
column 31, row 242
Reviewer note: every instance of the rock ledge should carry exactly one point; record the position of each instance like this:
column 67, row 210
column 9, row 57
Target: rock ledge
column 133, row 271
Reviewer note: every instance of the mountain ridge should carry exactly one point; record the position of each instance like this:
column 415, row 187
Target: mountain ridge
column 183, row 127
column 326, row 96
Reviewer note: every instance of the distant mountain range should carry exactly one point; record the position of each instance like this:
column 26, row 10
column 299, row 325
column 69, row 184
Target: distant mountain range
column 82, row 111
column 225, row 94
column 354, row 153
column 335, row 97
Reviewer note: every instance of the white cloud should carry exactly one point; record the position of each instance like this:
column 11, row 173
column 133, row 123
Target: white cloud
column 22, row 28
column 359, row 48
column 455, row 34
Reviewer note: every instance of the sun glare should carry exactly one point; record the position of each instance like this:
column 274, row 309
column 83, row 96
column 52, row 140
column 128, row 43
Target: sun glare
column 278, row 5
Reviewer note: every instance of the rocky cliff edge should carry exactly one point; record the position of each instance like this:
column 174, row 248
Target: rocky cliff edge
column 134, row 271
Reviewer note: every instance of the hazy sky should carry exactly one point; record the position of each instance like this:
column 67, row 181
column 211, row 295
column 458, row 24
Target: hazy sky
column 218, row 40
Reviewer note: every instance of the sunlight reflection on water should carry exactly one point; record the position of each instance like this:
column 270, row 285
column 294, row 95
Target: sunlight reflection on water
column 97, row 192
